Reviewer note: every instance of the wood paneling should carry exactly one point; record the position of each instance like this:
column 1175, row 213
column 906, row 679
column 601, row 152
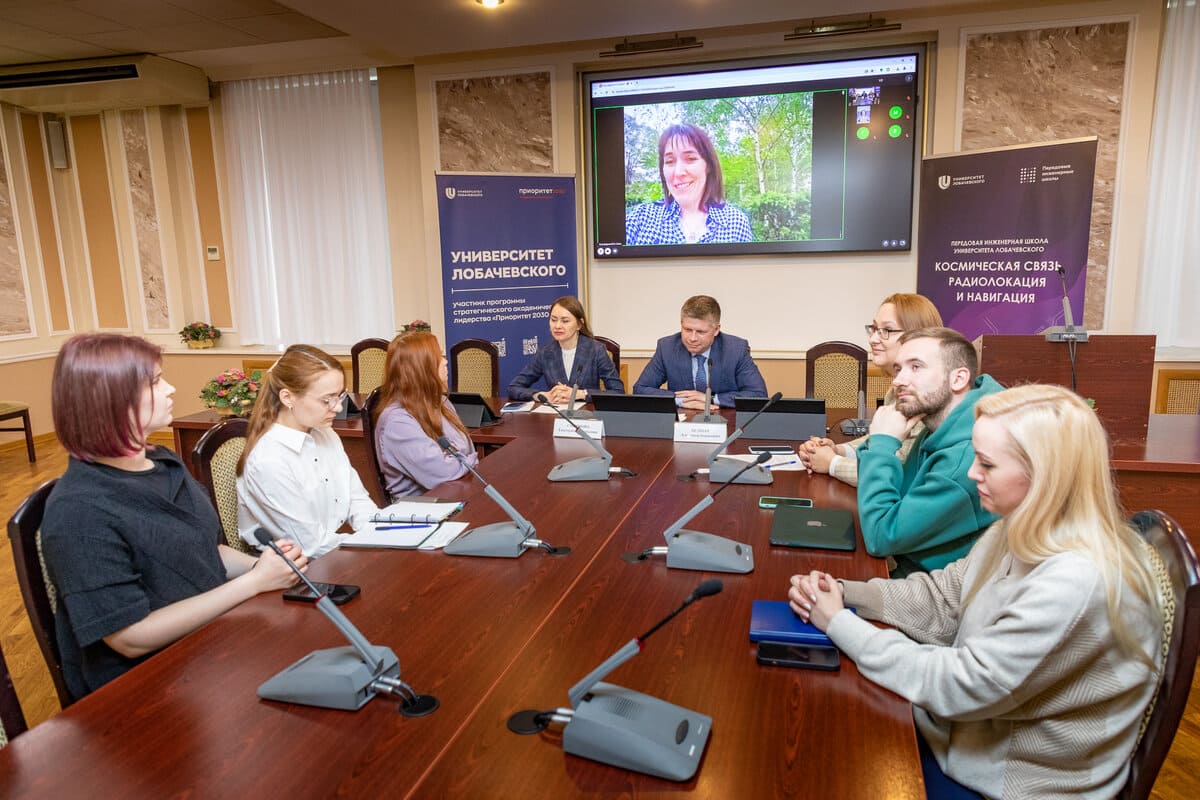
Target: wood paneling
column 95, row 197
column 208, row 211
column 47, row 224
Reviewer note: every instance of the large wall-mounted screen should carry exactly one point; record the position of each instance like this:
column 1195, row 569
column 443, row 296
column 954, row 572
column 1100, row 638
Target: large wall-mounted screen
column 812, row 155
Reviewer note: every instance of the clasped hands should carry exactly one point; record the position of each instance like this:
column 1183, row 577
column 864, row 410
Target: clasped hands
column 561, row 393
column 816, row 597
column 690, row 398
column 817, row 454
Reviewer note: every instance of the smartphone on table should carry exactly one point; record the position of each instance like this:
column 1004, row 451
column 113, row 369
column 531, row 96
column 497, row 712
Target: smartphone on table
column 770, row 501
column 804, row 656
column 339, row 593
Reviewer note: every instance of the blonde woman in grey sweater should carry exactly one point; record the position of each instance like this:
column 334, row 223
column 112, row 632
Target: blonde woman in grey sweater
column 1030, row 661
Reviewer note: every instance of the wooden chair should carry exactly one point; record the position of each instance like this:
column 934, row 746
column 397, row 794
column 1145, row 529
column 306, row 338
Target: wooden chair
column 19, row 411
column 36, row 589
column 1179, row 575
column 12, row 721
column 368, row 426
column 1178, row 392
column 878, row 385
column 369, row 364
column 475, row 367
column 614, row 352
column 215, row 459
column 836, row 372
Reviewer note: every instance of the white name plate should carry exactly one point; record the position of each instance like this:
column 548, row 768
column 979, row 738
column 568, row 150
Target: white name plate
column 593, row 427
column 707, row 432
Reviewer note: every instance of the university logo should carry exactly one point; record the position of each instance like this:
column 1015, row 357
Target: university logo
column 943, row 182
column 450, row 192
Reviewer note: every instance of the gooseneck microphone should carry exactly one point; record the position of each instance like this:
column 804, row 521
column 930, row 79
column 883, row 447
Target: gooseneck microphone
column 341, row 677
column 571, row 410
column 1068, row 332
column 624, row 728
column 703, row 551
column 720, row 469
column 588, row 468
column 708, row 415
column 499, row 539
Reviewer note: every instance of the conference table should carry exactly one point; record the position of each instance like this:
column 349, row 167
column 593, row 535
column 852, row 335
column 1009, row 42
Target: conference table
column 490, row 637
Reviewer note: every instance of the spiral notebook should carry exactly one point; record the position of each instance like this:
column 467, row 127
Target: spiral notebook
column 408, row 512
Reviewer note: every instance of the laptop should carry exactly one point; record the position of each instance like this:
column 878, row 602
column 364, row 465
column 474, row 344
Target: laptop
column 788, row 419
column 473, row 410
column 818, row 528
column 649, row 416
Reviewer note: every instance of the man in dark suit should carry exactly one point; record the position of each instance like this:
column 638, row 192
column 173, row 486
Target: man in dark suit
column 700, row 356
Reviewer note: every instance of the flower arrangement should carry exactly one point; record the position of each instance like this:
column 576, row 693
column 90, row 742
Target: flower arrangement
column 416, row 325
column 199, row 335
column 233, row 392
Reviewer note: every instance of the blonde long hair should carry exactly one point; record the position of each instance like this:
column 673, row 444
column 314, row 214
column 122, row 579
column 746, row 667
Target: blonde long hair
column 295, row 371
column 1072, row 504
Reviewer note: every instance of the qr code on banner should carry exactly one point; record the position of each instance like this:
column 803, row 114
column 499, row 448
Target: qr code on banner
column 502, row 346
column 529, row 347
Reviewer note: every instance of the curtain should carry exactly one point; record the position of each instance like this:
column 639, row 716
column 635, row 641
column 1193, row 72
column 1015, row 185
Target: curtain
column 308, row 210
column 1169, row 291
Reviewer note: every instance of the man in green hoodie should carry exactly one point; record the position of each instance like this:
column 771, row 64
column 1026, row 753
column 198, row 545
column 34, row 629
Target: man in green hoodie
column 925, row 512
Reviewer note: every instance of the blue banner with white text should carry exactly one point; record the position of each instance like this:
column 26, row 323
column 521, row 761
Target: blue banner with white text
column 508, row 251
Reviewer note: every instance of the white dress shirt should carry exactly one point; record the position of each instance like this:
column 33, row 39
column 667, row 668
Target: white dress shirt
column 301, row 486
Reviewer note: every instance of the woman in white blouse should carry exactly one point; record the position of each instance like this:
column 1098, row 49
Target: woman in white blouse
column 294, row 478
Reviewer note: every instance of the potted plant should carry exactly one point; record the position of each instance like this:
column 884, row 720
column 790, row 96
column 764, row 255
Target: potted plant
column 199, row 335
column 232, row 392
column 416, row 325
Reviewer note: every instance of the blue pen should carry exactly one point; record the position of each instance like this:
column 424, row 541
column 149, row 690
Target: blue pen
column 784, row 464
column 402, row 527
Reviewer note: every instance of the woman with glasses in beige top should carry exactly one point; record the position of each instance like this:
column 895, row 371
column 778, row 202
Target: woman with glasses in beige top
column 897, row 313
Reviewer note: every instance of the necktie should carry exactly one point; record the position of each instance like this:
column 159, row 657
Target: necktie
column 701, row 374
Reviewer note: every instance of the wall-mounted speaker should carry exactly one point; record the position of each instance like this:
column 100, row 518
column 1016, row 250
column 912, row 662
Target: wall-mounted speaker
column 56, row 142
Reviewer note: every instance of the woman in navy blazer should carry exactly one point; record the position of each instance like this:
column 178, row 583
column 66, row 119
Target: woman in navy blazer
column 573, row 357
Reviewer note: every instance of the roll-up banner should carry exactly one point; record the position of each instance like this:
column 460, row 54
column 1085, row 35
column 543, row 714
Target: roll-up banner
column 995, row 228
column 508, row 251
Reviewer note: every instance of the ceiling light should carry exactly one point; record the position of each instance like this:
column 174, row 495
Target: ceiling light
column 490, row 3
column 833, row 26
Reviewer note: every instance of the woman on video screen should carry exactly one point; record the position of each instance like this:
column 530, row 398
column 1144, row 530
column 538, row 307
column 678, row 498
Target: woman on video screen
column 693, row 209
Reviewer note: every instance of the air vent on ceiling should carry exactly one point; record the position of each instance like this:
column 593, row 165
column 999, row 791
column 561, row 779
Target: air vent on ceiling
column 103, row 83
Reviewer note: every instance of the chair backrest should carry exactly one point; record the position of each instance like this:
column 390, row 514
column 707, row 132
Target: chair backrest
column 614, row 352
column 1178, row 392
column 12, row 721
column 36, row 589
column 368, row 424
column 368, row 360
column 475, row 367
column 878, row 386
column 215, row 459
column 1183, row 577
column 836, row 372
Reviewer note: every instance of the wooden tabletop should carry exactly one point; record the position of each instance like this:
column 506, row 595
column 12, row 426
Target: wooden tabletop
column 493, row 636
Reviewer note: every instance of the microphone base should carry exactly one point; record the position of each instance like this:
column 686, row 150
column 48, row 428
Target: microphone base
column 1065, row 333
column 578, row 414
column 588, row 468
column 498, row 540
column 333, row 678
column 720, row 470
column 854, row 427
column 708, row 417
column 631, row 730
column 707, row 552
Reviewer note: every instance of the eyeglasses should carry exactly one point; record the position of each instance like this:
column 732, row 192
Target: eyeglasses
column 884, row 333
column 334, row 400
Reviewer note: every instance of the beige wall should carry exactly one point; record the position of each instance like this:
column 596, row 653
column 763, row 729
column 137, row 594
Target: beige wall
column 783, row 304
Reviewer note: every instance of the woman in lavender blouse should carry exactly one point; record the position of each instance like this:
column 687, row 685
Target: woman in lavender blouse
column 414, row 413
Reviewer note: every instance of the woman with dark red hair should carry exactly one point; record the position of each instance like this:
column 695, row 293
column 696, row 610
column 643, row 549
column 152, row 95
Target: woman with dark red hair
column 129, row 538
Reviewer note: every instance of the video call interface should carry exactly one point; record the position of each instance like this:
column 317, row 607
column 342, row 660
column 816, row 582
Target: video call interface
column 815, row 157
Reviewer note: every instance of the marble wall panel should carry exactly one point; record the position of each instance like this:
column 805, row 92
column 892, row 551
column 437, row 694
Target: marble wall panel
column 14, row 306
column 1048, row 84
column 496, row 123
column 145, row 218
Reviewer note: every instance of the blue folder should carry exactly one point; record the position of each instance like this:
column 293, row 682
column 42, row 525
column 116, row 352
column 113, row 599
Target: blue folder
column 774, row 621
